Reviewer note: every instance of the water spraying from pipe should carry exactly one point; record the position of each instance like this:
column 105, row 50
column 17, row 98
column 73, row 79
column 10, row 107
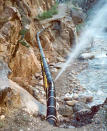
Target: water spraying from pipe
column 96, row 24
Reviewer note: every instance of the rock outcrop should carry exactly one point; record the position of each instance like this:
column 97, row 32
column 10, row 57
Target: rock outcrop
column 17, row 23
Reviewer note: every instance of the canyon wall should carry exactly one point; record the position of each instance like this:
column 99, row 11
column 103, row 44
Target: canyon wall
column 18, row 25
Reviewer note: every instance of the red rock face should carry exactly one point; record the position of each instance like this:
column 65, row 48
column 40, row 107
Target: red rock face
column 16, row 15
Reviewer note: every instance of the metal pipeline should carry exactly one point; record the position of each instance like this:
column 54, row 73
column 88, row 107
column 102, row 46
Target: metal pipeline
column 50, row 91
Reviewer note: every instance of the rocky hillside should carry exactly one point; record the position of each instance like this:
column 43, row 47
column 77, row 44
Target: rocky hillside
column 19, row 51
column 18, row 22
column 18, row 28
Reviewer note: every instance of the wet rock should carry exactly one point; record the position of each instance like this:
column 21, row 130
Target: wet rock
column 71, row 103
column 89, row 99
column 68, row 97
column 82, row 99
column 85, row 116
column 79, row 106
column 105, row 102
column 30, row 104
column 65, row 110
column 86, row 56
column 82, row 117
column 75, row 96
column 86, row 99
column 77, row 15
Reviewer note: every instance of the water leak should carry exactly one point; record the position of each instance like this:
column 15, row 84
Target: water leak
column 94, row 26
column 94, row 78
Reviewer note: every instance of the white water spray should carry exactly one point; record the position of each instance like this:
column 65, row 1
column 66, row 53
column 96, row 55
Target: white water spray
column 96, row 25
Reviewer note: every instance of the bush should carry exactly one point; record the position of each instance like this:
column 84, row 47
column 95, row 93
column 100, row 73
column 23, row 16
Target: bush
column 23, row 31
column 49, row 13
column 24, row 43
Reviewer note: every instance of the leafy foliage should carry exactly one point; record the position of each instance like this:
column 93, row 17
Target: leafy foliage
column 22, row 40
column 24, row 43
column 23, row 31
column 49, row 13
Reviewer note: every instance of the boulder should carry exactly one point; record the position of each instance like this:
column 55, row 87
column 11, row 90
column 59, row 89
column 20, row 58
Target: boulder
column 28, row 102
column 82, row 117
column 25, row 63
column 86, row 99
column 65, row 110
column 80, row 106
column 71, row 103
column 85, row 115
column 77, row 16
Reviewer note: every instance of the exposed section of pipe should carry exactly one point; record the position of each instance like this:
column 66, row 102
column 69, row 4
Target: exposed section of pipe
column 51, row 96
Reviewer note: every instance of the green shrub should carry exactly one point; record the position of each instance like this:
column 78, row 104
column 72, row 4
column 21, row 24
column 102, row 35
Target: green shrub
column 49, row 13
column 23, row 31
column 45, row 15
column 24, row 43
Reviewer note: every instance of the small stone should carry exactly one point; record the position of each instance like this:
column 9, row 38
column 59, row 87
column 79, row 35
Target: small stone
column 89, row 99
column 86, row 99
column 75, row 96
column 57, row 105
column 2, row 117
column 67, row 98
column 43, row 92
column 21, row 130
column 97, row 122
column 38, row 76
column 82, row 99
column 41, row 83
column 71, row 103
column 54, row 70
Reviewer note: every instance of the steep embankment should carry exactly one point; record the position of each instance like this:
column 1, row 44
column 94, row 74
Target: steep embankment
column 17, row 21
